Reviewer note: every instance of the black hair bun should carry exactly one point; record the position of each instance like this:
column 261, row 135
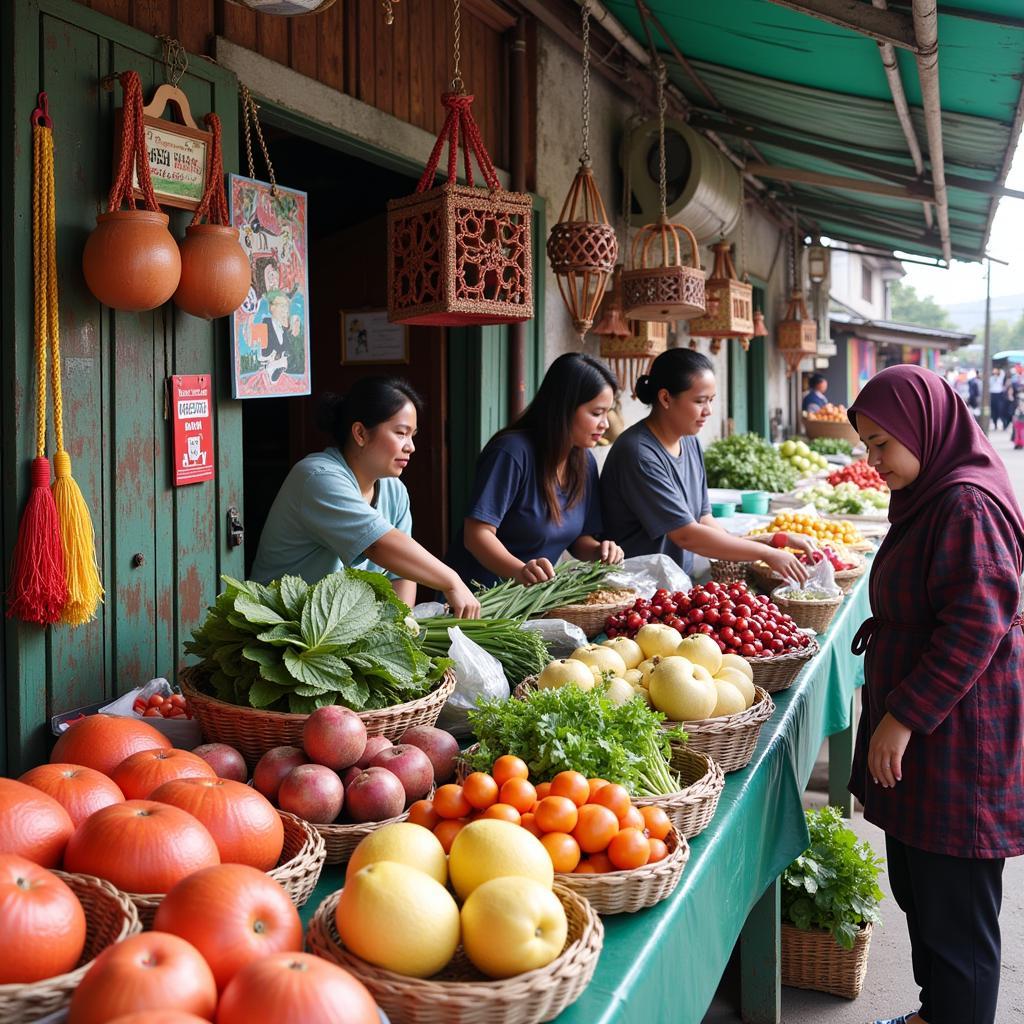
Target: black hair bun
column 644, row 389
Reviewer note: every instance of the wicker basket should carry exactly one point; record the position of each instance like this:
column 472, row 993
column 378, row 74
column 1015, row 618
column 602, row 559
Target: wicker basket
column 777, row 673
column 254, row 731
column 109, row 918
column 723, row 571
column 302, row 859
column 847, row 578
column 766, row 581
column 730, row 739
column 816, row 615
column 830, row 428
column 592, row 617
column 811, row 958
column 462, row 994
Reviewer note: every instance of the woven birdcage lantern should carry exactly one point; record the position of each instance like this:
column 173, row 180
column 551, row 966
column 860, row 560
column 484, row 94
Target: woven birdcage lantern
column 629, row 346
column 731, row 299
column 797, row 334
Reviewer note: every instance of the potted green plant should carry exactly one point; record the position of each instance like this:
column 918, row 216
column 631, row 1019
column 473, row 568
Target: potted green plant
column 830, row 898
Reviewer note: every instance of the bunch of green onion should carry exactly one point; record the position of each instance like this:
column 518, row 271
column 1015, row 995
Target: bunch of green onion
column 521, row 652
column 572, row 583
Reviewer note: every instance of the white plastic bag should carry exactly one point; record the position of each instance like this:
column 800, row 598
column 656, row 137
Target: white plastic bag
column 428, row 610
column 647, row 573
column 477, row 674
column 560, row 637
column 821, row 579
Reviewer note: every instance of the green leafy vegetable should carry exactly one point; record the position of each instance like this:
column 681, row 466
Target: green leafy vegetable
column 292, row 647
column 521, row 652
column 830, row 446
column 571, row 729
column 748, row 462
column 572, row 583
column 833, row 884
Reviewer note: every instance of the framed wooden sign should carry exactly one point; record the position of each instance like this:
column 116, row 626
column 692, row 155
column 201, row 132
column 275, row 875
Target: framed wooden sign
column 367, row 336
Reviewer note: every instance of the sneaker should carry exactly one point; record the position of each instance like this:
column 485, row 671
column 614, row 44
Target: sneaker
column 896, row 1020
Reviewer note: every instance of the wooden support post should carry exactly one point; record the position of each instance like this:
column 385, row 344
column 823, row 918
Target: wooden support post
column 878, row 23
column 761, row 958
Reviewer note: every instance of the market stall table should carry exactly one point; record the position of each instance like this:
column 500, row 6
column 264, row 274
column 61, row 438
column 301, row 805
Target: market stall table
column 666, row 963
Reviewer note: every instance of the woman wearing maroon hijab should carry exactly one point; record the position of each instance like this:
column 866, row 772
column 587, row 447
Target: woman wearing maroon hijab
column 939, row 762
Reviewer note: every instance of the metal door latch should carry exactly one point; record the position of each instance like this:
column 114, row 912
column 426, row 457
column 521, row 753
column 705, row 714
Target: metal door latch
column 236, row 532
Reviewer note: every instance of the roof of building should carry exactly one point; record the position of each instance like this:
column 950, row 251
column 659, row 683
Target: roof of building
column 883, row 331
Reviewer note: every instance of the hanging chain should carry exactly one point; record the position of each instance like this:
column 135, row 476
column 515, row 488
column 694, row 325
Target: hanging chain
column 389, row 12
column 662, row 75
column 250, row 120
column 457, row 84
column 175, row 59
column 585, row 151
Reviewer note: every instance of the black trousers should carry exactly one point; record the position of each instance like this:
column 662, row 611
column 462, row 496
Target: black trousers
column 952, row 907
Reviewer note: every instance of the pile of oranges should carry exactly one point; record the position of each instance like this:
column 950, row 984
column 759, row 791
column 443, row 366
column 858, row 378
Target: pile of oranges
column 588, row 826
column 830, row 414
column 823, row 530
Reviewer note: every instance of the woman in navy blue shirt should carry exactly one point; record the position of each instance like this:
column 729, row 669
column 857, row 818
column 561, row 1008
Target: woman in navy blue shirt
column 535, row 494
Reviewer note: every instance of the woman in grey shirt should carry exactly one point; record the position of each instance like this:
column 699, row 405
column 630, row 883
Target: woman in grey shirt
column 654, row 490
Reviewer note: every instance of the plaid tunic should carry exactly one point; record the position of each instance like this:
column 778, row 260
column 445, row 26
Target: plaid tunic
column 945, row 655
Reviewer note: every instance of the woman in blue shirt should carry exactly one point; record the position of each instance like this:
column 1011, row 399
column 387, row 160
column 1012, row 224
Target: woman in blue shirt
column 654, row 490
column 536, row 494
column 346, row 506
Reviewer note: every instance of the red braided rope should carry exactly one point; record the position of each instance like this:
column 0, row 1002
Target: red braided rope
column 214, row 203
column 459, row 114
column 133, row 149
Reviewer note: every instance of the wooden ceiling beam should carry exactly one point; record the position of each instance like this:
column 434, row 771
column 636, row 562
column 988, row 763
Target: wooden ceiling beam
column 911, row 192
column 877, row 23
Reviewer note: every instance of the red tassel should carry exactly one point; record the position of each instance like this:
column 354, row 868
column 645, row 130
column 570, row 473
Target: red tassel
column 39, row 589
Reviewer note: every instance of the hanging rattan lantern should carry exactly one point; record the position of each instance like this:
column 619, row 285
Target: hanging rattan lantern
column 628, row 346
column 760, row 327
column 734, row 315
column 797, row 333
column 661, row 285
column 611, row 323
column 582, row 246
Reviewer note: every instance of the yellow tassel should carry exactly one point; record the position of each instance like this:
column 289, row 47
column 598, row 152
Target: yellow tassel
column 78, row 540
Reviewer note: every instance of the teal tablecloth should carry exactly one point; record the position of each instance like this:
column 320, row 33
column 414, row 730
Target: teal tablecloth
column 673, row 955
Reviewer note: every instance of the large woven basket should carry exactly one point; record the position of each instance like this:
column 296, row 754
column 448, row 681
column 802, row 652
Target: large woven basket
column 777, row 673
column 302, row 859
column 592, row 617
column 811, row 958
column 254, row 731
column 109, row 918
column 816, row 615
column 626, row 892
column 462, row 994
column 730, row 739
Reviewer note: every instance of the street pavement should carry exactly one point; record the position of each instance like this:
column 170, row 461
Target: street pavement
column 889, row 988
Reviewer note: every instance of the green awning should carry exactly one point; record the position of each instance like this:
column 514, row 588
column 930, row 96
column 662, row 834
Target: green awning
column 813, row 97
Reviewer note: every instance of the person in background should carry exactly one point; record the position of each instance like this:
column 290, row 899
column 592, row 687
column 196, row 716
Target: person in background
column 974, row 393
column 1017, row 418
column 815, row 398
column 536, row 495
column 997, row 404
column 654, row 490
column 347, row 507
column 939, row 758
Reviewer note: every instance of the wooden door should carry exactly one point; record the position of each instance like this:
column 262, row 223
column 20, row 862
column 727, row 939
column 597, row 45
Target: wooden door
column 161, row 549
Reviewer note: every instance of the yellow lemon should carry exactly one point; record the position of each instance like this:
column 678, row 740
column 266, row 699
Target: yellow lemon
column 490, row 848
column 405, row 843
column 511, row 925
column 399, row 918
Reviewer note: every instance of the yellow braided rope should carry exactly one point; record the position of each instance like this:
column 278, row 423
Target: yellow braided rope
column 85, row 590
column 38, row 256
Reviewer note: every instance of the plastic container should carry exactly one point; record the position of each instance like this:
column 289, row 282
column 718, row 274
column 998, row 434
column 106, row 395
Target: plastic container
column 723, row 509
column 755, row 502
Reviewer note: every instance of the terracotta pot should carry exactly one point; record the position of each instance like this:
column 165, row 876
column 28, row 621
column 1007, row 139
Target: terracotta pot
column 215, row 273
column 131, row 261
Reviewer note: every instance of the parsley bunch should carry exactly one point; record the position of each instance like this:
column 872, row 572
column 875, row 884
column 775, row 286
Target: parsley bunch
column 833, row 884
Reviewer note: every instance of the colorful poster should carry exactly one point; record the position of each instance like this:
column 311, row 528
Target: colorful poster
column 270, row 331
column 192, row 419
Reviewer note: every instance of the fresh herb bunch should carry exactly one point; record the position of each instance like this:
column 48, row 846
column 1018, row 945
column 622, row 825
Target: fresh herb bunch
column 572, row 583
column 830, row 446
column 567, row 729
column 291, row 647
column 521, row 651
column 833, row 884
column 748, row 462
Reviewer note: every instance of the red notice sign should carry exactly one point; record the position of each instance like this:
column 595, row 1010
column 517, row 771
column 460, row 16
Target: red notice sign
column 192, row 417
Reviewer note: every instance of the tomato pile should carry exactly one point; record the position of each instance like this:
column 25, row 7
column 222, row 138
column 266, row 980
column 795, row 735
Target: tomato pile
column 588, row 826
column 740, row 621
column 162, row 706
column 859, row 473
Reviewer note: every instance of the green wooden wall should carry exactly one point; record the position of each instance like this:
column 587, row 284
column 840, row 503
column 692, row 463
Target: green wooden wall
column 115, row 367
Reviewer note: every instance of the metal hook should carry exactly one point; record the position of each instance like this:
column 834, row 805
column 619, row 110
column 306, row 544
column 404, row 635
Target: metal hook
column 41, row 115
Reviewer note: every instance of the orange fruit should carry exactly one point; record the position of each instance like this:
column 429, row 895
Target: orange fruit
column 585, row 868
column 527, row 821
column 595, row 828
column 596, row 784
column 543, row 790
column 556, row 814
column 614, row 797
column 422, row 813
column 657, row 822
column 520, row 794
column 628, row 849
column 508, row 766
column 480, row 790
column 573, row 785
column 632, row 819
column 659, row 851
column 600, row 863
column 451, row 802
column 563, row 850
column 503, row 812
column 446, row 831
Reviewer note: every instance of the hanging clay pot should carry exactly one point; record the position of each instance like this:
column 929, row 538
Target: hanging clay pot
column 131, row 261
column 215, row 273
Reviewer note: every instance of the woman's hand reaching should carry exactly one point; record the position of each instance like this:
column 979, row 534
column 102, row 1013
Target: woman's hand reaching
column 461, row 602
column 610, row 553
column 537, row 570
